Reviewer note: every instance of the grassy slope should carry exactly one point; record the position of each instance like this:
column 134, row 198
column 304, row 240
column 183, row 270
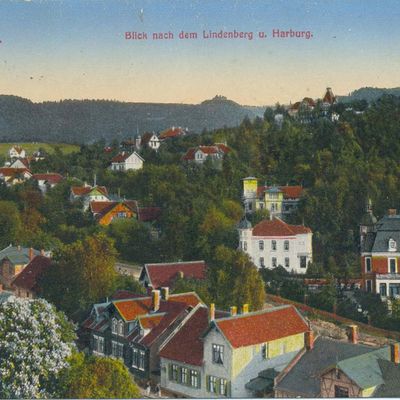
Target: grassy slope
column 32, row 147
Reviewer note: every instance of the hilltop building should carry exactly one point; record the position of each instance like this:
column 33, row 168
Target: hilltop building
column 280, row 201
column 149, row 140
column 273, row 242
column 198, row 155
column 380, row 253
column 125, row 161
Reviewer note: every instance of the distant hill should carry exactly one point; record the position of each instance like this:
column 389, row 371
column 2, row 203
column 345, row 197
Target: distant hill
column 80, row 121
column 369, row 94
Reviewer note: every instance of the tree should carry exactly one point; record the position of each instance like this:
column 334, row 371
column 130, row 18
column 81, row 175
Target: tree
column 35, row 342
column 96, row 377
column 235, row 280
column 83, row 273
column 10, row 223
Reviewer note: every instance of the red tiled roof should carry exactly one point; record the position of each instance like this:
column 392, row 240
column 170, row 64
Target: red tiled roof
column 186, row 345
column 151, row 321
column 133, row 308
column 18, row 149
column 277, row 227
column 291, row 192
column 171, row 132
column 224, row 148
column 6, row 171
column 190, row 154
column 121, row 157
column 164, row 274
column 103, row 207
column 217, row 148
column 28, row 277
column 262, row 326
column 149, row 214
column 85, row 190
column 190, row 299
column 52, row 178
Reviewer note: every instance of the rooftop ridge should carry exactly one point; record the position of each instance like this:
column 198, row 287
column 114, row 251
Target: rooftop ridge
column 175, row 262
column 252, row 313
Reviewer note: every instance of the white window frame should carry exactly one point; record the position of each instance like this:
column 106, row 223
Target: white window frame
column 274, row 245
column 286, row 245
column 212, row 384
column 223, row 387
column 120, row 328
column 261, row 245
column 366, row 264
column 114, row 326
column 395, row 265
column 218, row 349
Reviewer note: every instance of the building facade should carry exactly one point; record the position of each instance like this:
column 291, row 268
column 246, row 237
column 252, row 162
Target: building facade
column 273, row 243
column 126, row 162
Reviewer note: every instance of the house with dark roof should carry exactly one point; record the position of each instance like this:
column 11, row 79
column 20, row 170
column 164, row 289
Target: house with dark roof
column 380, row 253
column 164, row 274
column 126, row 161
column 13, row 259
column 133, row 328
column 26, row 283
column 274, row 242
column 211, row 356
column 333, row 368
column 149, row 140
column 280, row 201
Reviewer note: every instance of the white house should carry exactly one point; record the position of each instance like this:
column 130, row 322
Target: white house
column 273, row 242
column 47, row 180
column 16, row 152
column 200, row 154
column 87, row 194
column 150, row 140
column 125, row 162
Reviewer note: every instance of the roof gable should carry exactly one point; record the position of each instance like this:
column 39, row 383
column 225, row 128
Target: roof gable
column 277, row 227
column 29, row 276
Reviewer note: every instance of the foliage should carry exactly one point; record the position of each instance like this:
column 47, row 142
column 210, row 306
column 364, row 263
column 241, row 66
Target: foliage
column 83, row 273
column 35, row 342
column 10, row 223
column 96, row 377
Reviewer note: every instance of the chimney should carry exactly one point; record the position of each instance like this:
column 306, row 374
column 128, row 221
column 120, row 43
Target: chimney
column 31, row 254
column 392, row 211
column 394, row 353
column 165, row 293
column 245, row 308
column 309, row 340
column 212, row 312
column 155, row 300
column 353, row 334
column 233, row 311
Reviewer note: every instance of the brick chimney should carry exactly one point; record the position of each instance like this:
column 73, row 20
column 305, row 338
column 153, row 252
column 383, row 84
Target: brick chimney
column 394, row 353
column 165, row 293
column 155, row 305
column 392, row 211
column 233, row 311
column 353, row 334
column 309, row 340
column 31, row 254
column 212, row 312
column 245, row 308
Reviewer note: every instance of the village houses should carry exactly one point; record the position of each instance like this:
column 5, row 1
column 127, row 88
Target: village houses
column 87, row 194
column 149, row 140
column 16, row 152
column 271, row 243
column 198, row 155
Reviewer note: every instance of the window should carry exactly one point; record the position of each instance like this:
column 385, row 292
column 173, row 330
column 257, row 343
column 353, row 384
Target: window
column 392, row 265
column 121, row 215
column 98, row 344
column 184, row 375
column 244, row 246
column 120, row 328
column 369, row 286
column 286, row 245
column 135, row 358
column 261, row 244
column 273, row 245
column 117, row 349
column 392, row 245
column 194, row 379
column 383, row 289
column 141, row 359
column 341, row 391
column 394, row 289
column 218, row 353
column 303, row 262
column 212, row 384
column 114, row 326
column 273, row 262
column 264, row 350
column 287, row 262
column 174, row 373
column 223, row 387
column 262, row 262
column 368, row 264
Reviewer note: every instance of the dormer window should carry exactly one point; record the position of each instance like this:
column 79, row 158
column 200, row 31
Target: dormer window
column 392, row 245
column 120, row 328
column 114, row 324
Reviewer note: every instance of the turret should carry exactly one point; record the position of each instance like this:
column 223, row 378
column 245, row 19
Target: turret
column 368, row 221
column 244, row 228
column 249, row 194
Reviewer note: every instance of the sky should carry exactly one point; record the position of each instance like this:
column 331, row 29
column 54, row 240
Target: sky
column 76, row 49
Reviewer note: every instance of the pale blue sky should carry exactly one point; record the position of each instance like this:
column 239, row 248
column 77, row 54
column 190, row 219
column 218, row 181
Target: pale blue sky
column 53, row 50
